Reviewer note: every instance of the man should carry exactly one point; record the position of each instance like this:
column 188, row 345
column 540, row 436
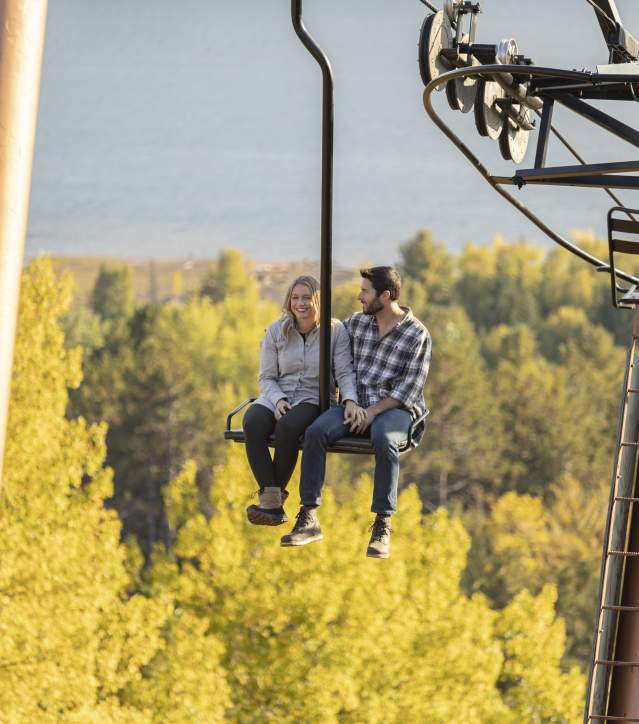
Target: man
column 391, row 355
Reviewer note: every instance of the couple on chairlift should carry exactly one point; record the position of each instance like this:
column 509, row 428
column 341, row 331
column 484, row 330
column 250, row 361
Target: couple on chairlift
column 379, row 361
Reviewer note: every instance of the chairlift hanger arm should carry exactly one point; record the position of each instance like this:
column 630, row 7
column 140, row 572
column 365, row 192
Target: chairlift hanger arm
column 326, row 200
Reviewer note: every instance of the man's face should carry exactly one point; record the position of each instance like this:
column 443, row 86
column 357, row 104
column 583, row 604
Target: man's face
column 371, row 303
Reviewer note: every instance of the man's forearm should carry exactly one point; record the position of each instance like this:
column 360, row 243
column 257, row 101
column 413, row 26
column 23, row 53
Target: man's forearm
column 388, row 403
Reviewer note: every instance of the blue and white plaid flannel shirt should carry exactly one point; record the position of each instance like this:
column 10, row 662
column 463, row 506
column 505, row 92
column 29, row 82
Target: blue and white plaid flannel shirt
column 394, row 366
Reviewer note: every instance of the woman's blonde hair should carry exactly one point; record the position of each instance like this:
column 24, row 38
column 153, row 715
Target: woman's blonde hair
column 313, row 285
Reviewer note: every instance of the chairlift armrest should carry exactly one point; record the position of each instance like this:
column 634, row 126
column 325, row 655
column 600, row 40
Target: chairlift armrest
column 241, row 406
column 413, row 425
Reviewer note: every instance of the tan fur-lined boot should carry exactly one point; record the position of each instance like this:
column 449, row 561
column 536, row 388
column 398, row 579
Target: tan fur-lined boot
column 270, row 510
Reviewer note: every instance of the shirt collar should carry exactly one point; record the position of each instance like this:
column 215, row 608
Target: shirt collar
column 406, row 318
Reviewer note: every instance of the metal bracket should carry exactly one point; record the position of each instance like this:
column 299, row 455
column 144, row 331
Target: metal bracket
column 623, row 46
column 629, row 297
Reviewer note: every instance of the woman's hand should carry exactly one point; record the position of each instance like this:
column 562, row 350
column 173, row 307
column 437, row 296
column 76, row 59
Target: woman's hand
column 365, row 421
column 281, row 408
column 353, row 414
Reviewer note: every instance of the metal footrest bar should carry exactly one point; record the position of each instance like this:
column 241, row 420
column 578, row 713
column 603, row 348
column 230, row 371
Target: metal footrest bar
column 601, row 717
column 603, row 662
column 626, row 609
column 625, row 554
column 629, row 444
column 626, row 499
column 590, row 169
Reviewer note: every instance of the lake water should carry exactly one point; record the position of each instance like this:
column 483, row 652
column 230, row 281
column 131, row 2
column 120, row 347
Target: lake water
column 174, row 129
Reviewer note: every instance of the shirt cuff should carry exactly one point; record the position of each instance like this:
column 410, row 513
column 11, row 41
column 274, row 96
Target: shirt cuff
column 348, row 392
column 273, row 394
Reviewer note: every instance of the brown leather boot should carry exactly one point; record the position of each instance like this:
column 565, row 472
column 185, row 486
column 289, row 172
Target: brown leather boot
column 379, row 545
column 306, row 529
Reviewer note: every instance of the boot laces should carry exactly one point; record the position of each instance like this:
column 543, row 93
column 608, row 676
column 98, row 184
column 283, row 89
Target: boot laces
column 304, row 519
column 380, row 528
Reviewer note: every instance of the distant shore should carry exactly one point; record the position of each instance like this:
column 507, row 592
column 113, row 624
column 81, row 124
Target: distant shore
column 185, row 274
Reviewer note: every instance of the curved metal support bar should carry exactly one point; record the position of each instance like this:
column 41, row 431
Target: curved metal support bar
column 327, row 200
column 490, row 70
column 233, row 412
column 411, row 430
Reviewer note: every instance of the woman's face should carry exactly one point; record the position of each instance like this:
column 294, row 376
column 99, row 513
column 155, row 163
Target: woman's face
column 302, row 304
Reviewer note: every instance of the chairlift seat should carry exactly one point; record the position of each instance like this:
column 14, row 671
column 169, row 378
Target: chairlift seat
column 353, row 444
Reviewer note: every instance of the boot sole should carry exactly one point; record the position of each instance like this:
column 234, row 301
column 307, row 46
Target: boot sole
column 257, row 518
column 290, row 544
column 375, row 554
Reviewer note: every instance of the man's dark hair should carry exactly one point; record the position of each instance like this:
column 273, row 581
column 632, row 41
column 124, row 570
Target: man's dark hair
column 383, row 278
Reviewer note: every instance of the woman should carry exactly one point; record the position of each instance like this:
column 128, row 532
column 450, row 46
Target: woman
column 289, row 402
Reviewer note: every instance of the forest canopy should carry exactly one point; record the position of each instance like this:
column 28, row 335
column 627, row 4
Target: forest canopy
column 133, row 590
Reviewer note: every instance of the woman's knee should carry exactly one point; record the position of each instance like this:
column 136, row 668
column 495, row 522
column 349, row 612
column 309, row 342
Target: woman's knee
column 286, row 429
column 258, row 422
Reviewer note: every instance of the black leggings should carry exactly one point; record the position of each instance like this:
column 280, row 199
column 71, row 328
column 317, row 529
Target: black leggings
column 259, row 423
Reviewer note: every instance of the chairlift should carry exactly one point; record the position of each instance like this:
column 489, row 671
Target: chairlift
column 354, row 444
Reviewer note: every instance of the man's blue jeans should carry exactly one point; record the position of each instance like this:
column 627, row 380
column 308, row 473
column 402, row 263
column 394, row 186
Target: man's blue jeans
column 388, row 430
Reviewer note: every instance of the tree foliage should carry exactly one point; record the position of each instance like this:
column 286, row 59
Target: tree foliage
column 464, row 434
column 224, row 624
column 164, row 383
column 221, row 623
column 77, row 642
column 306, row 640
column 428, row 271
column 112, row 297
column 228, row 276
column 524, row 392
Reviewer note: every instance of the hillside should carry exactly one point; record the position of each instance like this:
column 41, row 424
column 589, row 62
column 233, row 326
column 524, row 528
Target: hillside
column 173, row 277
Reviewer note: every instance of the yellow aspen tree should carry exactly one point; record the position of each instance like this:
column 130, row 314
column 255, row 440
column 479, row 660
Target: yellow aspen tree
column 534, row 687
column 323, row 634
column 74, row 636
column 177, row 285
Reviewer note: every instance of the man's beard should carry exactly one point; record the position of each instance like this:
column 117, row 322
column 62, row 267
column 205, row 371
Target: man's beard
column 374, row 307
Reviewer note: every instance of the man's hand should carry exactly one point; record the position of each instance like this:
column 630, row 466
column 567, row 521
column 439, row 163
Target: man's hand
column 388, row 403
column 365, row 422
column 353, row 414
column 281, row 408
